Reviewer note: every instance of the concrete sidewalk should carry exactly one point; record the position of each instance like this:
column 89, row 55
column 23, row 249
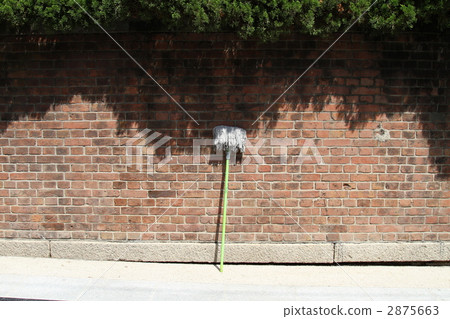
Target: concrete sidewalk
column 63, row 279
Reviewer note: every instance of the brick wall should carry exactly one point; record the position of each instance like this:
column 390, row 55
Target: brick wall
column 367, row 131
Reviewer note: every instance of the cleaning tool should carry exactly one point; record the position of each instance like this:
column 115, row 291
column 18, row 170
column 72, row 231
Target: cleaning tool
column 229, row 139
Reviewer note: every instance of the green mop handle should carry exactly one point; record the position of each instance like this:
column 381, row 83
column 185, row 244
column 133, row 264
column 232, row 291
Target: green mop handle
column 224, row 216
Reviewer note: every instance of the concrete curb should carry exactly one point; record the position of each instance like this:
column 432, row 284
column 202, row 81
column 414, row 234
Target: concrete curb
column 25, row 248
column 392, row 252
column 193, row 252
column 307, row 253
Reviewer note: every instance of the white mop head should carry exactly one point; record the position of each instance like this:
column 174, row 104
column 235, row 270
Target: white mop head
column 229, row 138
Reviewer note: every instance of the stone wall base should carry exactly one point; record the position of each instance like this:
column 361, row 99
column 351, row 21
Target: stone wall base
column 301, row 253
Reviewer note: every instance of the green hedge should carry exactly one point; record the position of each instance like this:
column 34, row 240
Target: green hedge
column 264, row 19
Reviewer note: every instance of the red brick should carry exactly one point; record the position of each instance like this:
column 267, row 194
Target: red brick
column 76, row 125
column 68, row 169
column 158, row 194
column 389, row 228
column 53, row 226
column 22, row 142
column 276, row 228
column 22, row 176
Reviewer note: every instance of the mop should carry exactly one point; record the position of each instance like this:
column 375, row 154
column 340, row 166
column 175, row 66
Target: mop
column 229, row 139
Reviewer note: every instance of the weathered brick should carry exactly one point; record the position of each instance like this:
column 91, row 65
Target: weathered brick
column 65, row 174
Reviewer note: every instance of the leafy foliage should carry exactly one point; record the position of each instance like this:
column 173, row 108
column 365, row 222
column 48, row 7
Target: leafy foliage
column 264, row 19
column 59, row 15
